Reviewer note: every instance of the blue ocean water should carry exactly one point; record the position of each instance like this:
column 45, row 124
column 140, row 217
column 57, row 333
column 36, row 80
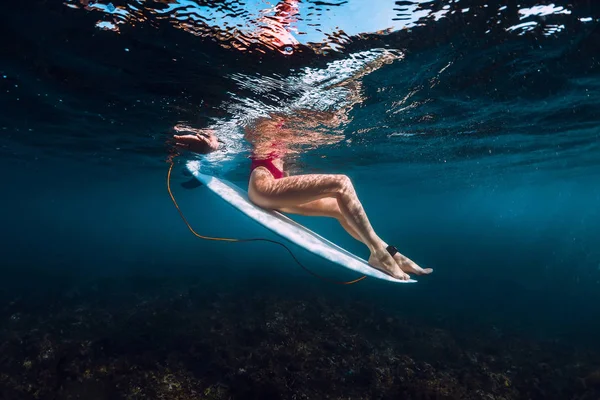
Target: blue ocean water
column 474, row 149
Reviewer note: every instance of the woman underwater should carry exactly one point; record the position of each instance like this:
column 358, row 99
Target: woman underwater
column 330, row 195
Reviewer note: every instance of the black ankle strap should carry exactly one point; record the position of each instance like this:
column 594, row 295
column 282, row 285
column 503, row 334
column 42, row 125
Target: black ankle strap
column 392, row 250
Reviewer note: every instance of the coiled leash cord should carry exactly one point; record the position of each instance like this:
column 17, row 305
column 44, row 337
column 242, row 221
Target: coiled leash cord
column 248, row 240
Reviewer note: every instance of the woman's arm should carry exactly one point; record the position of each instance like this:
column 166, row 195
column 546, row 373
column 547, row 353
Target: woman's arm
column 201, row 141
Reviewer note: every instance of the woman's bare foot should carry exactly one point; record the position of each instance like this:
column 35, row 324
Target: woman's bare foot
column 382, row 260
column 409, row 266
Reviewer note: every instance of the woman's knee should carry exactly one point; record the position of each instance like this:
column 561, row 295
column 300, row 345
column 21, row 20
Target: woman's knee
column 344, row 184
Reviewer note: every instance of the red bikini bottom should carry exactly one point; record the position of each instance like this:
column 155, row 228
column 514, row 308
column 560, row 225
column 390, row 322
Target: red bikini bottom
column 268, row 164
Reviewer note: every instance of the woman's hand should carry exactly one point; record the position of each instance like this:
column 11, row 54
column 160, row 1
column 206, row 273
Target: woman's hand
column 201, row 141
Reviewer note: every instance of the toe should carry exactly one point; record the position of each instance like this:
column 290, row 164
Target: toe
column 399, row 274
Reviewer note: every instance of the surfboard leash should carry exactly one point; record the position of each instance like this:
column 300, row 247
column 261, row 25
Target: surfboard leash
column 222, row 239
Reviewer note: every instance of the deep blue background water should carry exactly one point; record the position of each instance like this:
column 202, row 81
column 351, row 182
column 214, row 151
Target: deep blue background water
column 495, row 187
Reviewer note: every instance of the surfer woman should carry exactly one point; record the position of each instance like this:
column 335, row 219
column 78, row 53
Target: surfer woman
column 270, row 185
column 328, row 195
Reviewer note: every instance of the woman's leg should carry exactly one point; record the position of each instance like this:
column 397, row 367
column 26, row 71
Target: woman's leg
column 328, row 207
column 267, row 192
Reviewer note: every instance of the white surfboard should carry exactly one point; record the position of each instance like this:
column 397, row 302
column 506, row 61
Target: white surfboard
column 286, row 227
